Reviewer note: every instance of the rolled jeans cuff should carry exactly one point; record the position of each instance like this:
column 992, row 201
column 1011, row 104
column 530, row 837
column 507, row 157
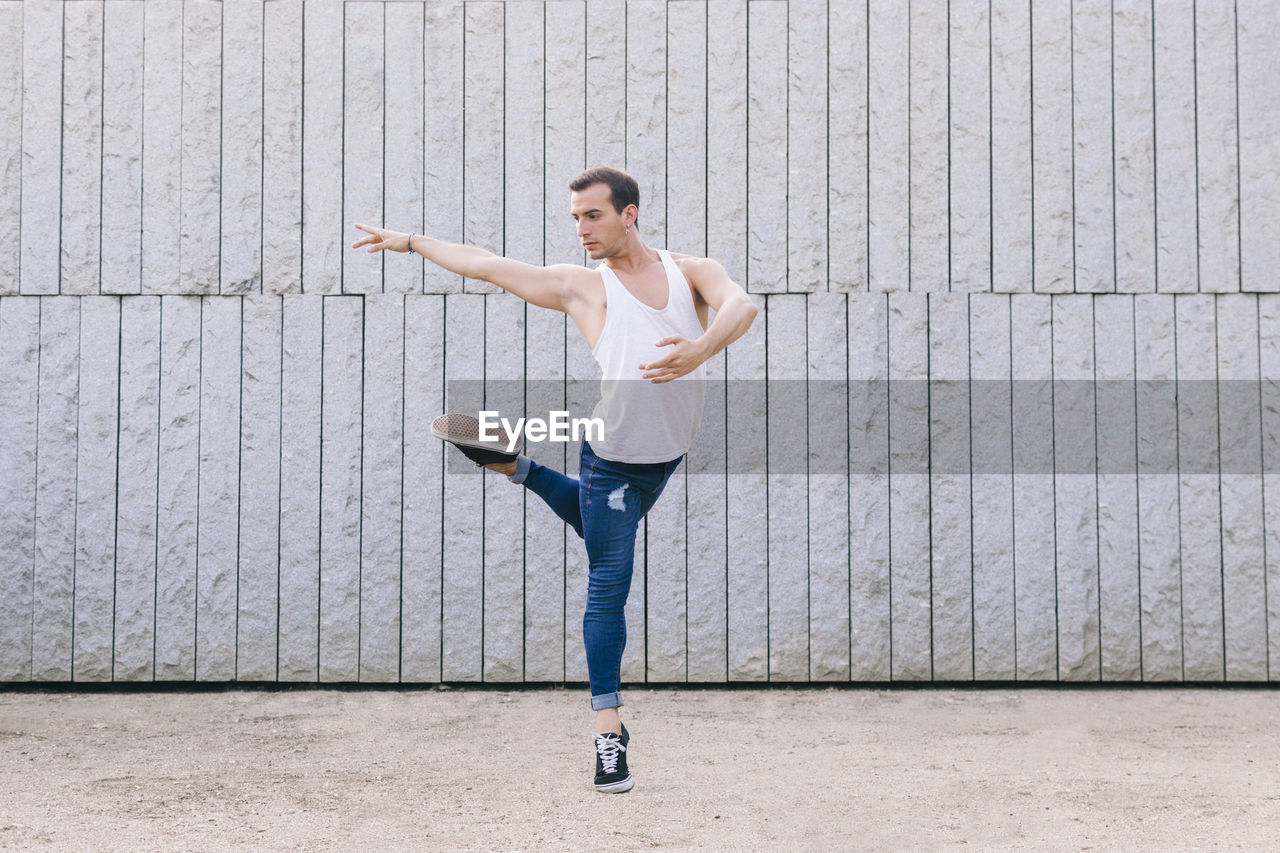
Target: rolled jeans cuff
column 523, row 464
column 606, row 700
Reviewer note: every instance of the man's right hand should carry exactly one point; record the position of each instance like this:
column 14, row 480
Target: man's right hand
column 381, row 238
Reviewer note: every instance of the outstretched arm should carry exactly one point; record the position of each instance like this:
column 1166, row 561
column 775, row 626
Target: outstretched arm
column 735, row 313
column 546, row 287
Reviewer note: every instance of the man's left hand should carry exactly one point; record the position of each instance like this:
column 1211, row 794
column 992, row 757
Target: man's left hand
column 685, row 356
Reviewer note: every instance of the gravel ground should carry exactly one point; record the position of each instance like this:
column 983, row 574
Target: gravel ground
column 739, row 769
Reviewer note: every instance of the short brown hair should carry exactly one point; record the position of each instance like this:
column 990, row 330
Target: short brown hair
column 623, row 188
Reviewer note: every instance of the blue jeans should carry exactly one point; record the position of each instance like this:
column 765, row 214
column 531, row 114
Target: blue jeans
column 603, row 506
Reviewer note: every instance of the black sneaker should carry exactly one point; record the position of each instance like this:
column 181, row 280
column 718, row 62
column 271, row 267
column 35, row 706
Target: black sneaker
column 611, row 763
column 463, row 432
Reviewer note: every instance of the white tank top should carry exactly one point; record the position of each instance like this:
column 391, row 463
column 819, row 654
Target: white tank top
column 645, row 421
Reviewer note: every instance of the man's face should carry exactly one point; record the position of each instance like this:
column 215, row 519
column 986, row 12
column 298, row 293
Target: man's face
column 601, row 229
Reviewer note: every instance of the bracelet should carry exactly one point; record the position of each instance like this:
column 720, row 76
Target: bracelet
column 411, row 236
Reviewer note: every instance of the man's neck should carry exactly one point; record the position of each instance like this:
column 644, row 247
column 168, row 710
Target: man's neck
column 634, row 257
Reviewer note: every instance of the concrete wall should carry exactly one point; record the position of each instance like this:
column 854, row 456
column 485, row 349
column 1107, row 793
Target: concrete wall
column 215, row 461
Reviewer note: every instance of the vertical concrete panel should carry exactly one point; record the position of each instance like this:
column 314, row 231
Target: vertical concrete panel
column 727, row 146
column 20, row 353
column 646, row 113
column 80, row 203
column 889, row 128
column 807, row 150
column 767, row 152
column 686, row 122
column 606, row 102
column 135, row 576
column 381, row 486
column 219, row 509
column 581, row 392
column 869, row 631
column 201, row 193
column 11, row 146
column 442, row 151
column 162, row 147
column 300, row 383
column 324, row 225
column 707, row 542
column 462, row 584
column 1051, row 153
column 1034, row 567
column 1075, row 487
column 261, row 430
column 240, row 177
column 1199, row 498
column 341, row 470
column 484, row 105
column 423, row 470
column 950, row 487
column 1175, row 141
column 1160, row 572
column 404, row 150
column 564, row 118
column 42, row 39
column 1217, row 152
column 1269, row 366
column 847, row 155
column 992, row 461
column 1011, row 147
column 666, row 594
column 282, row 171
column 364, row 92
column 178, row 490
column 929, row 167
column 970, row 146
column 122, row 120
column 524, row 182
column 1093, row 137
column 1134, row 163
column 747, row 507
column 1258, row 77
column 1244, row 590
column 504, row 502
column 1119, row 616
column 828, row 485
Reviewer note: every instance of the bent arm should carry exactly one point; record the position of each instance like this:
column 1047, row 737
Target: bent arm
column 734, row 316
column 546, row 287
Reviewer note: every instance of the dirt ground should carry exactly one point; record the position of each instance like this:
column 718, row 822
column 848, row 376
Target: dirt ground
column 737, row 769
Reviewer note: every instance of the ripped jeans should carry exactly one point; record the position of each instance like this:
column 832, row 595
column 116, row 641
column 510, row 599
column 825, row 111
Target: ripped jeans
column 603, row 506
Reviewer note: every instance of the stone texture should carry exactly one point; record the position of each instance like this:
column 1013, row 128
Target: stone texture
column 1134, row 161
column 363, row 145
column 1199, row 499
column 524, row 215
column 484, row 102
column 282, row 174
column 10, row 145
column 707, row 566
column 766, row 248
column 261, row 430
column 992, row 501
column 442, row 193
column 240, row 170
column 381, row 483
column 727, row 145
column 201, row 107
column 1119, row 613
column 1011, row 221
column 808, row 232
column 123, row 70
column 564, row 147
column 1031, row 369
column 1269, row 368
column 1244, row 589
column 888, row 240
column 666, row 592
column 324, row 227
column 20, row 353
column 81, row 188
column 1051, row 202
column 582, row 391
column 748, row 581
column 422, row 510
column 162, row 147
column 178, row 488
column 847, row 145
column 686, row 123
column 1175, row 142
column 300, row 378
column 950, row 514
column 1092, row 136
column 970, row 144
column 1158, row 510
column 219, row 504
column 1258, row 76
column 827, row 364
column 135, row 533
column 1217, row 156
column 1075, row 488
column 606, row 84
column 927, row 168
column 41, row 52
column 404, row 152
column 341, row 448
column 646, row 113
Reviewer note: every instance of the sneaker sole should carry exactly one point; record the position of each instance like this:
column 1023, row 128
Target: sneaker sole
column 463, row 431
column 618, row 787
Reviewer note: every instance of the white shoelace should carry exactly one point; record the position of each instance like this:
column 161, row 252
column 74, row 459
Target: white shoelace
column 608, row 749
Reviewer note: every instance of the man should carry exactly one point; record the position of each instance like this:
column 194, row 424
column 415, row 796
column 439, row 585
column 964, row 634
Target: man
column 635, row 304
